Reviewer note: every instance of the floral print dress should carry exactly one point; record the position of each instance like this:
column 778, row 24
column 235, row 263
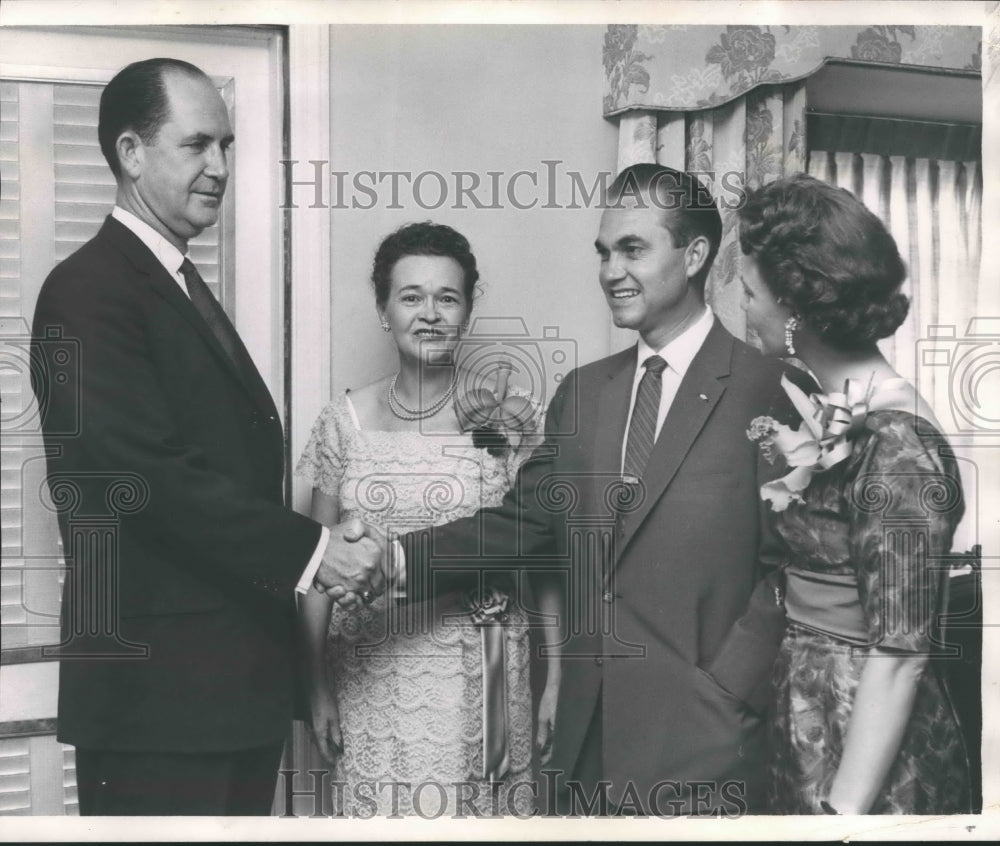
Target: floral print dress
column 858, row 519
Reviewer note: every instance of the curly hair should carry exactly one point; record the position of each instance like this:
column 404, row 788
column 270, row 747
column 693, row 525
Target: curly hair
column 824, row 254
column 422, row 239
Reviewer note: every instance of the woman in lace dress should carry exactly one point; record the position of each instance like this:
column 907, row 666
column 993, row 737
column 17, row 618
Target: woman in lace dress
column 862, row 721
column 423, row 707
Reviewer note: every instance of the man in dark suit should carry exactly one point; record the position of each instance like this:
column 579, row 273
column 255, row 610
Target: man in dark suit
column 176, row 678
column 643, row 506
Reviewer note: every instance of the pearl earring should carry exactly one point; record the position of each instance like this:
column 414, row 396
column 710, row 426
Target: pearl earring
column 791, row 325
column 385, row 325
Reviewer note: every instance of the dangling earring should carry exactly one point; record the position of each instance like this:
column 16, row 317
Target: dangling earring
column 791, row 325
column 385, row 325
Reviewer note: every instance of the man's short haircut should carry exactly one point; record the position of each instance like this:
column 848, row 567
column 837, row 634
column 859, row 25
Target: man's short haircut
column 136, row 99
column 688, row 207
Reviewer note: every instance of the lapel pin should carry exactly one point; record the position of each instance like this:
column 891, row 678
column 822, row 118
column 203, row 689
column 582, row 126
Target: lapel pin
column 703, row 397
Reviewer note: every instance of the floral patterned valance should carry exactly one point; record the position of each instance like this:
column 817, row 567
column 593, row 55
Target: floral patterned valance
column 684, row 68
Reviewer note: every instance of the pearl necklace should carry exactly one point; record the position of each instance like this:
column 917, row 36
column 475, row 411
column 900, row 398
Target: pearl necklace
column 403, row 413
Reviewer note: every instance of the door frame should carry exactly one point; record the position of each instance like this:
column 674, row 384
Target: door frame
column 308, row 305
column 298, row 314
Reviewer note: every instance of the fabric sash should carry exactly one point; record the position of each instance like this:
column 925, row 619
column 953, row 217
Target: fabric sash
column 827, row 603
column 489, row 615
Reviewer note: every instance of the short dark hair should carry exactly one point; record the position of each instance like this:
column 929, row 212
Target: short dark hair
column 136, row 99
column 825, row 255
column 689, row 209
column 422, row 239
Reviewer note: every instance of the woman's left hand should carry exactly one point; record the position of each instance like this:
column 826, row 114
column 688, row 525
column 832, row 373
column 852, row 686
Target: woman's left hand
column 546, row 722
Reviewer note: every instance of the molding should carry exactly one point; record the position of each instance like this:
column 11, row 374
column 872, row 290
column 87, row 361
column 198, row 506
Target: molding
column 82, row 76
column 56, row 75
column 202, row 33
column 309, row 238
column 29, row 654
column 27, row 728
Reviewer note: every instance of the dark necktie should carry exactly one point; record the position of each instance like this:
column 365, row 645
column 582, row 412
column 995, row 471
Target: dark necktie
column 212, row 313
column 642, row 428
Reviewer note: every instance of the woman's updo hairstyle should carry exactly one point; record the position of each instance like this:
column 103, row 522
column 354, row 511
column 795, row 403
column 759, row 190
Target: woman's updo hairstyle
column 828, row 258
column 422, row 239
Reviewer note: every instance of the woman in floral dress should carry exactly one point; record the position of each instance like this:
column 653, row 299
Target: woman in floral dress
column 862, row 721
column 423, row 708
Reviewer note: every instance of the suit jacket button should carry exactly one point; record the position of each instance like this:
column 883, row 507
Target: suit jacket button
column 608, row 596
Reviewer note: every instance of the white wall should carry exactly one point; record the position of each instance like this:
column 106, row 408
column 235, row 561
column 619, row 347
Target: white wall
column 446, row 99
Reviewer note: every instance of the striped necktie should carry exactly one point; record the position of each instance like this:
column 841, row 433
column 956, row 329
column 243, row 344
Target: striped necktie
column 642, row 428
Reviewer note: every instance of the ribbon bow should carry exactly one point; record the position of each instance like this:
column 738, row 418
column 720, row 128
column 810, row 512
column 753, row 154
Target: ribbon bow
column 486, row 607
column 829, row 422
column 491, row 414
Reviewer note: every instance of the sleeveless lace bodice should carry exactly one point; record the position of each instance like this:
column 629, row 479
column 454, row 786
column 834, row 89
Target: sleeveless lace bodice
column 409, row 677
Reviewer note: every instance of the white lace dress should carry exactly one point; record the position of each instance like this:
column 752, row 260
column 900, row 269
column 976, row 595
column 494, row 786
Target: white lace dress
column 409, row 679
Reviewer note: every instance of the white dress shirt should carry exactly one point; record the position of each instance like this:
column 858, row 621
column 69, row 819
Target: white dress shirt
column 168, row 255
column 171, row 258
column 678, row 355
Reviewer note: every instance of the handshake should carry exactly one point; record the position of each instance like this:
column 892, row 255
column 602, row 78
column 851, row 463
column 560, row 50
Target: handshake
column 358, row 564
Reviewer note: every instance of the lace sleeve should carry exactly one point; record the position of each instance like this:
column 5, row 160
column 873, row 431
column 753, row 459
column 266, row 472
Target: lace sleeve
column 906, row 502
column 322, row 461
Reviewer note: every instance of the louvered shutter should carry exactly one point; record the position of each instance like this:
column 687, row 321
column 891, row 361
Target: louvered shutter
column 37, row 777
column 15, row 776
column 85, row 187
column 15, row 401
column 10, row 194
column 70, row 801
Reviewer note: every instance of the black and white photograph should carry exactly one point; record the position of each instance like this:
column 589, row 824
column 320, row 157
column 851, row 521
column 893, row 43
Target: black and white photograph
column 477, row 420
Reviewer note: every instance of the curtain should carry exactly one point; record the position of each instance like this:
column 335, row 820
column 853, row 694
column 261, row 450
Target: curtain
column 745, row 143
column 933, row 210
column 681, row 67
column 729, row 101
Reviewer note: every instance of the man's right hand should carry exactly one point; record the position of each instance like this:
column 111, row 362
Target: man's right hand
column 352, row 563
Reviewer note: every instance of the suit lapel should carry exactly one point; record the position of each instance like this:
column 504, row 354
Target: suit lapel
column 611, row 414
column 608, row 414
column 166, row 286
column 700, row 391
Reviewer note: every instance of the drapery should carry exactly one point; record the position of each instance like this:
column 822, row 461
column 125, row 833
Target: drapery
column 729, row 103
column 933, row 210
column 682, row 68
